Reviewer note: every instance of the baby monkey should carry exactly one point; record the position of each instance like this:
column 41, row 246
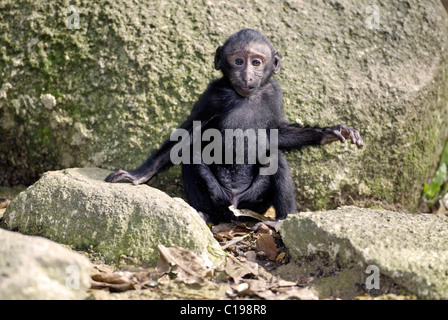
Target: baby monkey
column 245, row 98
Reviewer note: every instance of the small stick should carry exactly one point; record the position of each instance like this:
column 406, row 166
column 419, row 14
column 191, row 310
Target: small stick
column 233, row 241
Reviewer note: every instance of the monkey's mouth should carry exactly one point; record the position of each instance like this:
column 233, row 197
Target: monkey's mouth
column 245, row 91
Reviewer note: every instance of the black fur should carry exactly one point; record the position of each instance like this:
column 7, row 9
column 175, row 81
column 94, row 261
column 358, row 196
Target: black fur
column 211, row 189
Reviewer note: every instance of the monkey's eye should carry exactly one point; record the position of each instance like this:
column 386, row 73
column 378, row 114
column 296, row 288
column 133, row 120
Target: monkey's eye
column 239, row 61
column 256, row 63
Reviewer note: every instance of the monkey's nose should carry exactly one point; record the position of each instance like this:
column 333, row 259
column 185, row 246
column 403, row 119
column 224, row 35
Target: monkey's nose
column 246, row 78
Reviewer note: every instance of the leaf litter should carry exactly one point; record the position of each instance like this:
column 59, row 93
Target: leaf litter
column 252, row 251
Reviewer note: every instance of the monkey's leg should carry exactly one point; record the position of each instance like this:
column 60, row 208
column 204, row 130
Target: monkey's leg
column 204, row 193
column 277, row 190
column 284, row 190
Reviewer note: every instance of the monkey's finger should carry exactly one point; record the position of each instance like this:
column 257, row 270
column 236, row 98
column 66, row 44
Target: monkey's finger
column 360, row 142
column 358, row 139
column 111, row 177
column 352, row 136
column 338, row 134
column 119, row 175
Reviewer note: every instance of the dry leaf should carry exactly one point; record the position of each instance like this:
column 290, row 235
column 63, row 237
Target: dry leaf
column 111, row 286
column 270, row 213
column 285, row 283
column 296, row 293
column 223, row 227
column 4, row 203
column 103, row 268
column 266, row 243
column 188, row 267
column 242, row 288
column 238, row 269
column 230, row 230
column 113, row 278
column 251, row 256
column 248, row 213
column 280, row 256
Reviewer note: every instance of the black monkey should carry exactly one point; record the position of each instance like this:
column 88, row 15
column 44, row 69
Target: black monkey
column 246, row 97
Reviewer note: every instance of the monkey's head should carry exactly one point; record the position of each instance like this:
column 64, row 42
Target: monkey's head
column 248, row 60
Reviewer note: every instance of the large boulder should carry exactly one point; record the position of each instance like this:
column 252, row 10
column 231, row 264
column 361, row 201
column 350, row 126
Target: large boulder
column 409, row 250
column 76, row 207
column 105, row 89
column 37, row 268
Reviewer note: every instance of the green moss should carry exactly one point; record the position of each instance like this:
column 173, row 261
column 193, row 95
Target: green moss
column 438, row 187
column 44, row 136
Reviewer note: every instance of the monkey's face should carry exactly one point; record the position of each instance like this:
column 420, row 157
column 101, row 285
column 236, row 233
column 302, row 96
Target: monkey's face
column 247, row 59
column 249, row 67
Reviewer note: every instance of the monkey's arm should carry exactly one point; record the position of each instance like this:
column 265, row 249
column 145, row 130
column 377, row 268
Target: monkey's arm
column 291, row 136
column 157, row 161
column 203, row 111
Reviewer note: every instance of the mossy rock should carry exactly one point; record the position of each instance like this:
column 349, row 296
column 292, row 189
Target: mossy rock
column 408, row 250
column 117, row 221
column 109, row 92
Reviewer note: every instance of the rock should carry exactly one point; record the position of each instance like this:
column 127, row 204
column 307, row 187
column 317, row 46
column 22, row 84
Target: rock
column 76, row 207
column 34, row 268
column 127, row 75
column 408, row 249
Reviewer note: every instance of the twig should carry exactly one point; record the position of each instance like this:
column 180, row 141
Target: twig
column 233, row 241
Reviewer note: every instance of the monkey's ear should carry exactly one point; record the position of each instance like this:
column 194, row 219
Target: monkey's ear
column 276, row 63
column 218, row 57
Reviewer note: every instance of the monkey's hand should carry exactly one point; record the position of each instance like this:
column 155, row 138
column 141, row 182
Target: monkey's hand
column 125, row 175
column 342, row 132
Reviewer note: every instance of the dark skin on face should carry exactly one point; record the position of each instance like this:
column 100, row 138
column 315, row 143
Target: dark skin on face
column 247, row 68
column 245, row 97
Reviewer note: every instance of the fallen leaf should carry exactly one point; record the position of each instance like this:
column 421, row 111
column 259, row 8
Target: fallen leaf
column 296, row 293
column 280, row 256
column 248, row 213
column 113, row 278
column 241, row 288
column 230, row 230
column 285, row 283
column 103, row 268
column 251, row 256
column 188, row 267
column 4, row 203
column 266, row 244
column 111, row 286
column 270, row 213
column 223, row 227
column 238, row 269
